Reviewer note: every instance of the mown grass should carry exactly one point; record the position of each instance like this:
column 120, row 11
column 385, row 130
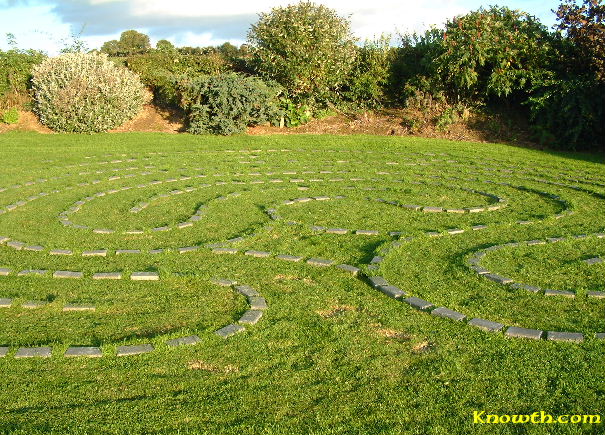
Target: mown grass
column 331, row 355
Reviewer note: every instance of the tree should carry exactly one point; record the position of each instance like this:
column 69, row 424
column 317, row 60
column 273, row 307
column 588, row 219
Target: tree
column 131, row 42
column 308, row 49
column 585, row 28
column 493, row 52
column 165, row 46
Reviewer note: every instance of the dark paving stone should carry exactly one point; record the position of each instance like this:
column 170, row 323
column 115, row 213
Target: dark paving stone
column 536, row 242
column 160, row 229
column 576, row 337
column 223, row 282
column 565, row 293
column 258, row 254
column 375, row 281
column 5, row 302
column 102, row 231
column 251, row 317
column 182, row 341
column 230, row 330
column 157, row 251
column 419, row 304
column 35, row 248
column 15, row 245
column 67, row 274
column 187, row 249
column 134, row 350
column 79, row 307
column 377, row 259
column 354, row 270
column 319, row 262
column 596, row 294
column 600, row 335
column 36, row 272
column 337, row 231
column 478, row 227
column 257, row 303
column 530, row 288
column 3, row 351
column 33, row 352
column 432, row 209
column 449, row 314
column 107, row 275
column 412, row 207
column 480, row 270
column 486, row 325
column 32, row 305
column 144, row 276
column 289, row 257
column 90, row 352
column 515, row 331
column 224, row 251
column 498, row 278
column 368, row 232
column 127, row 251
column 594, row 260
column 60, row 252
column 391, row 291
column 247, row 291
column 96, row 253
column 184, row 225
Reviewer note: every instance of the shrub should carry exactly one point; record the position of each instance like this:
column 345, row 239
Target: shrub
column 15, row 75
column 413, row 66
column 10, row 116
column 157, row 70
column 306, row 48
column 371, row 73
column 493, row 52
column 228, row 103
column 85, row 93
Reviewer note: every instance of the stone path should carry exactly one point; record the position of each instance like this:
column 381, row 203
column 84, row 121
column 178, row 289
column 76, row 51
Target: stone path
column 113, row 178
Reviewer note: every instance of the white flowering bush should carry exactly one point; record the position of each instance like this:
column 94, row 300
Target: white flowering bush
column 86, row 93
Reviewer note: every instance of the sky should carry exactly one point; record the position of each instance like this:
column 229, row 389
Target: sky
column 49, row 25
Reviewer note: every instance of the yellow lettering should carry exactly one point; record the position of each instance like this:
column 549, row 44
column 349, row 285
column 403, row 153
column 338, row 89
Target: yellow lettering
column 523, row 418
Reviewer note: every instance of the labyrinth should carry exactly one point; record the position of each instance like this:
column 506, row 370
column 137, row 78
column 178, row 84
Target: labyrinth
column 101, row 240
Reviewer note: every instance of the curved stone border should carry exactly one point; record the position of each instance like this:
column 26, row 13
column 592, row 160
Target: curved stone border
column 474, row 262
column 257, row 305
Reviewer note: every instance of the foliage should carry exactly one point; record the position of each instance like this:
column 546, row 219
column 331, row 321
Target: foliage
column 493, row 52
column 10, row 116
column 567, row 114
column 413, row 68
column 165, row 46
column 15, row 73
column 308, row 49
column 78, row 92
column 227, row 103
column 371, row 73
column 568, row 109
column 131, row 42
column 585, row 28
column 295, row 114
column 158, row 69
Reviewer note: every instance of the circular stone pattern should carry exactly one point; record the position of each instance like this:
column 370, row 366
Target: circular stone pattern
column 134, row 248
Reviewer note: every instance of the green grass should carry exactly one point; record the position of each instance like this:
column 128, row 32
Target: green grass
column 331, row 355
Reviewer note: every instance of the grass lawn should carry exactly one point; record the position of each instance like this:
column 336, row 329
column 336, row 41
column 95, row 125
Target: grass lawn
column 331, row 354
